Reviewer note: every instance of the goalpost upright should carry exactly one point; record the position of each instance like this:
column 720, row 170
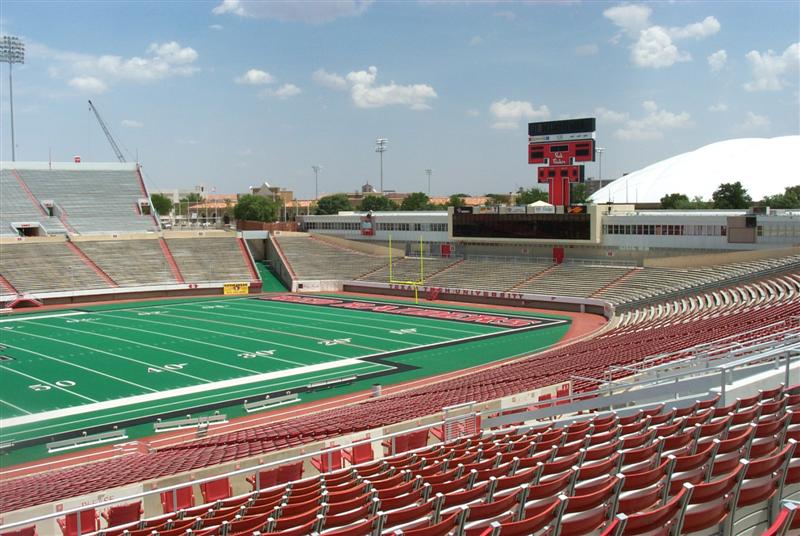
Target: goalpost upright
column 415, row 284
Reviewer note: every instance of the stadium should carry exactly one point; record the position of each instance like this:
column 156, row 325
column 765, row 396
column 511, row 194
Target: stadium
column 602, row 366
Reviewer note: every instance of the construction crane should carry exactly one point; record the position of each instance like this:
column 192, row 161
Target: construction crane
column 107, row 132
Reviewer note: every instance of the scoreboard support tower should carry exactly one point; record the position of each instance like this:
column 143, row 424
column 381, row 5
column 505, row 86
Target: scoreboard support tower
column 560, row 146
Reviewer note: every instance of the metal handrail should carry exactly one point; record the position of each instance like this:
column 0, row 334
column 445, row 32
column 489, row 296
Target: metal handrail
column 248, row 470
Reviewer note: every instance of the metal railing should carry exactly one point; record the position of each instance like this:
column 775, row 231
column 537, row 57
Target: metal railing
column 386, row 439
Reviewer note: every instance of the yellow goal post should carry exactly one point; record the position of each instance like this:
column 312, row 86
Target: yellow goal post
column 415, row 284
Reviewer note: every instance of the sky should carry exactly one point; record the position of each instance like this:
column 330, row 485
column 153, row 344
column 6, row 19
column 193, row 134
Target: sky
column 233, row 93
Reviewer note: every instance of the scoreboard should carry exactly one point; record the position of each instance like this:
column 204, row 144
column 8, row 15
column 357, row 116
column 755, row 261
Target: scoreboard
column 560, row 147
column 561, row 153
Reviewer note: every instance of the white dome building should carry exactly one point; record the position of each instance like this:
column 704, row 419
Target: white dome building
column 764, row 166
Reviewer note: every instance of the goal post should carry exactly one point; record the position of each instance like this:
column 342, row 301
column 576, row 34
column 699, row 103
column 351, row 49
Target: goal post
column 414, row 284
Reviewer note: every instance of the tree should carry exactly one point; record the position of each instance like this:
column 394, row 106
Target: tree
column 377, row 203
column 578, row 193
column 192, row 197
column 498, row 199
column 531, row 195
column 731, row 195
column 790, row 198
column 332, row 204
column 456, row 200
column 675, row 201
column 416, row 201
column 256, row 208
column 161, row 203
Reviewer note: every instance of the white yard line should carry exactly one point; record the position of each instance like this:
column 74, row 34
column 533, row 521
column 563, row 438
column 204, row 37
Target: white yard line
column 172, row 393
column 44, row 382
column 266, row 330
column 206, row 330
column 282, row 314
column 113, row 354
column 301, row 380
column 176, row 352
column 37, row 317
column 383, row 317
column 46, row 356
column 23, row 410
column 337, row 331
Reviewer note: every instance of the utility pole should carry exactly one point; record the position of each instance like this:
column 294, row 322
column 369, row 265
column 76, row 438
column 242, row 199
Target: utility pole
column 12, row 50
column 429, row 172
column 317, row 168
column 380, row 148
column 599, row 151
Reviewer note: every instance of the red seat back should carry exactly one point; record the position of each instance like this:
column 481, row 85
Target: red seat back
column 125, row 513
column 69, row 524
column 216, row 489
column 290, row 472
column 24, row 531
column 177, row 500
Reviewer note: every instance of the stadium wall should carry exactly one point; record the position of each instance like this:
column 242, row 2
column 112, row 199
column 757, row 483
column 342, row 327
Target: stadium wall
column 513, row 299
column 698, row 261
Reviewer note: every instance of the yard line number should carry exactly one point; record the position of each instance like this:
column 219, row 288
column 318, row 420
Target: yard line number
column 169, row 366
column 59, row 383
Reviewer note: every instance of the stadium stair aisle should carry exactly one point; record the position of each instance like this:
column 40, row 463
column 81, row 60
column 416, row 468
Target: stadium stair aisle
column 587, row 358
column 269, row 281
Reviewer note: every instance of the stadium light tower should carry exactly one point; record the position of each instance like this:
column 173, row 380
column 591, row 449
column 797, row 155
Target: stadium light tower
column 12, row 50
column 599, row 151
column 429, row 172
column 380, row 147
column 316, row 168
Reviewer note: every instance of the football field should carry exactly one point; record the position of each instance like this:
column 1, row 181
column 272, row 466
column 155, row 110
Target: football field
column 77, row 370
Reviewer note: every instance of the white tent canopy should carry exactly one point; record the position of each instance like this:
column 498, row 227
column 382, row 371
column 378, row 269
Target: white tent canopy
column 764, row 166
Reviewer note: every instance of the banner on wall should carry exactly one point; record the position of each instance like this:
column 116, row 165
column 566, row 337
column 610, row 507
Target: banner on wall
column 236, row 289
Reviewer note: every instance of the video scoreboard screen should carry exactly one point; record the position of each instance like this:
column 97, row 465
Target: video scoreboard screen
column 550, row 130
column 522, row 226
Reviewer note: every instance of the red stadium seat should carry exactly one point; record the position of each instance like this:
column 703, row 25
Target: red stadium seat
column 123, row 514
column 180, row 499
column 89, row 522
column 216, row 490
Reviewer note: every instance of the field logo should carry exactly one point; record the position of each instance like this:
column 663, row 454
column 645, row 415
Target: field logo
column 236, row 289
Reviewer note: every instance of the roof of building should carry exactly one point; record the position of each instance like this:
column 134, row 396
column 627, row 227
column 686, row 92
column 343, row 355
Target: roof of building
column 764, row 166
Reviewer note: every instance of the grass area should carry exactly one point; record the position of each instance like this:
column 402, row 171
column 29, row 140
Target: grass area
column 90, row 368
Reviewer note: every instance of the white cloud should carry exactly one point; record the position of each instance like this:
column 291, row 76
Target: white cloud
column 604, row 114
column 366, row 94
column 698, row 30
column 653, row 124
column 215, row 26
column 654, row 45
column 718, row 107
column 473, row 112
column 590, row 49
column 476, row 40
column 95, row 73
column 308, row 11
column 630, row 18
column 655, row 49
column 255, row 77
column 505, row 14
column 508, row 113
column 769, row 70
column 754, row 123
column 329, row 80
column 283, row 92
column 88, row 84
column 717, row 60
column 131, row 123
